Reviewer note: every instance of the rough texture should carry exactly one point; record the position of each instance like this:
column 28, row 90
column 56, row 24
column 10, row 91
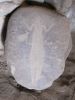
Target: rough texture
column 37, row 45
column 62, row 6
column 71, row 15
column 6, row 7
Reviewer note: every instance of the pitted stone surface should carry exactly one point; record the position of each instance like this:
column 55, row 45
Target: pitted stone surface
column 37, row 45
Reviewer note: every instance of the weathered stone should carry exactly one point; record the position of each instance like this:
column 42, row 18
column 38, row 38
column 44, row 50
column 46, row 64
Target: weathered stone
column 62, row 6
column 6, row 7
column 37, row 45
column 71, row 15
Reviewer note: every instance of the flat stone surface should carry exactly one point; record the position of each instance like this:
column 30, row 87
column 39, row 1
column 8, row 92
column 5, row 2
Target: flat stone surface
column 62, row 88
column 40, row 38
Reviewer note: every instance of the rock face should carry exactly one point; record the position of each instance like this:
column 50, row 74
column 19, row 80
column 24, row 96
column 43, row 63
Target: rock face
column 37, row 45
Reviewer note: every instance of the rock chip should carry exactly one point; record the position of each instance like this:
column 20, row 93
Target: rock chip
column 37, row 44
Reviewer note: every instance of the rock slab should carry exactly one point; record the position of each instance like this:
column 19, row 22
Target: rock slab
column 37, row 45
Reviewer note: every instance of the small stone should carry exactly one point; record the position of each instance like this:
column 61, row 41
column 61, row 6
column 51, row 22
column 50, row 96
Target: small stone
column 37, row 44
